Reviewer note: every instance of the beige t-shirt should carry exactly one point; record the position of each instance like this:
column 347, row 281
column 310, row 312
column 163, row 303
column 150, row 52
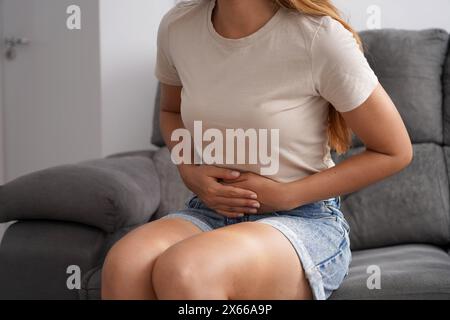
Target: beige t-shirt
column 284, row 76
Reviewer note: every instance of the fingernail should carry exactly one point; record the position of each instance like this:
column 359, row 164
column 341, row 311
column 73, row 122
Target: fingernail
column 240, row 215
column 254, row 211
column 235, row 173
column 256, row 205
column 253, row 196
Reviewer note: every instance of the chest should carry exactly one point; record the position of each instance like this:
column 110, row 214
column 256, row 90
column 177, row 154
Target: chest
column 262, row 85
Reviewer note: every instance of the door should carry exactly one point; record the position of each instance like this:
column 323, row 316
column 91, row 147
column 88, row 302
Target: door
column 51, row 84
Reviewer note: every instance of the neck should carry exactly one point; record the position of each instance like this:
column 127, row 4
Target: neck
column 239, row 18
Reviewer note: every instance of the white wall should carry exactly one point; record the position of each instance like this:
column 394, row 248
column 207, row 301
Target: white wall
column 399, row 14
column 128, row 31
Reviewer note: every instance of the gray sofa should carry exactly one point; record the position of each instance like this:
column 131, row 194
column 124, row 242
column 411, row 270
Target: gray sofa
column 400, row 227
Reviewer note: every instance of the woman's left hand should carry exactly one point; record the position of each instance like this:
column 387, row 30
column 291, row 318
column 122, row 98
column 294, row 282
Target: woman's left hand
column 272, row 195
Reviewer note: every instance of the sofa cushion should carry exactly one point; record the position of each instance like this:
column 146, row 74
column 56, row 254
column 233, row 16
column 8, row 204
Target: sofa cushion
column 411, row 206
column 173, row 191
column 108, row 193
column 406, row 272
column 409, row 65
column 35, row 256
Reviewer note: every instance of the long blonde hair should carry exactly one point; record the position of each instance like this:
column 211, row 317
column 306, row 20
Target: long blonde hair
column 339, row 134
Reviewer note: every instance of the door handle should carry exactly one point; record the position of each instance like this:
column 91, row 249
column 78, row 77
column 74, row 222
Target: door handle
column 11, row 43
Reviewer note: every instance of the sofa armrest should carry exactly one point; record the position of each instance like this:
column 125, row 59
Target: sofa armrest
column 35, row 257
column 109, row 194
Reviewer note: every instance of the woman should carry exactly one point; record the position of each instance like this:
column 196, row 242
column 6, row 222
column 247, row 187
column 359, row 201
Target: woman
column 290, row 65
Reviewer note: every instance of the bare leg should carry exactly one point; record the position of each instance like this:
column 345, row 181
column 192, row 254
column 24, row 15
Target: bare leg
column 128, row 266
column 248, row 260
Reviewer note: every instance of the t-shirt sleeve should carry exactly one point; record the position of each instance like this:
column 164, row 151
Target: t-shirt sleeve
column 165, row 70
column 340, row 70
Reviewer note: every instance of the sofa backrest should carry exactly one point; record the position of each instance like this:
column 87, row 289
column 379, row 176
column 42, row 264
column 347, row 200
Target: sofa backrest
column 156, row 138
column 412, row 206
column 446, row 92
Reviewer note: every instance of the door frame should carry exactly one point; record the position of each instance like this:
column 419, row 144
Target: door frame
column 2, row 124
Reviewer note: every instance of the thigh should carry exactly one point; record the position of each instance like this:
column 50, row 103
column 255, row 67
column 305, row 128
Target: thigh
column 247, row 260
column 127, row 268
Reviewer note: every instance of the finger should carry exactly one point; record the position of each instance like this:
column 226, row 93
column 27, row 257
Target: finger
column 235, row 192
column 222, row 173
column 230, row 181
column 237, row 202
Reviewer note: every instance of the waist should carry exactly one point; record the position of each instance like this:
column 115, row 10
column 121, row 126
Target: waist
column 285, row 172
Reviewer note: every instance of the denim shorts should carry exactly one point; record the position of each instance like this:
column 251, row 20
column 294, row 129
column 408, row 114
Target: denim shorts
column 318, row 232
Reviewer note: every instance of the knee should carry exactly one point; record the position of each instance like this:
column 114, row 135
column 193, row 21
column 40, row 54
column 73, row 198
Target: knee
column 115, row 271
column 126, row 265
column 179, row 275
column 173, row 275
column 114, row 263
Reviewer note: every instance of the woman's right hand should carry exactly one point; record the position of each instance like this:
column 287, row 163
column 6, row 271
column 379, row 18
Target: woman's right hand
column 229, row 201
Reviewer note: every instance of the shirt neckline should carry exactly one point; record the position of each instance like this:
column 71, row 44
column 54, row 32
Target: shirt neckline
column 244, row 40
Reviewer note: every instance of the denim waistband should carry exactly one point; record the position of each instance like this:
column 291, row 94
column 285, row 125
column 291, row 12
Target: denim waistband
column 334, row 201
column 195, row 202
